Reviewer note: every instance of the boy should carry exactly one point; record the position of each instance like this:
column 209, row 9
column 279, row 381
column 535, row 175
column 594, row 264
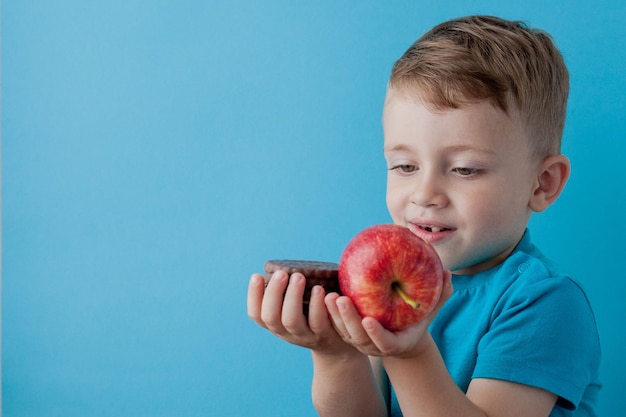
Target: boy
column 472, row 125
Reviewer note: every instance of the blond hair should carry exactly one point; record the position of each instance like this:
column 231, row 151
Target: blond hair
column 482, row 57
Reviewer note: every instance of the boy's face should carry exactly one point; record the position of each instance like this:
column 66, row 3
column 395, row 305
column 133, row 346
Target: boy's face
column 460, row 179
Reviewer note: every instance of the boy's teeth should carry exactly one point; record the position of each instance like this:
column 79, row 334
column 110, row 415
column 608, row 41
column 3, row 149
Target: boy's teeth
column 433, row 229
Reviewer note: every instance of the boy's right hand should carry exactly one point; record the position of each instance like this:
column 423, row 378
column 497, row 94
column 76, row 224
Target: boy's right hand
column 367, row 334
column 278, row 308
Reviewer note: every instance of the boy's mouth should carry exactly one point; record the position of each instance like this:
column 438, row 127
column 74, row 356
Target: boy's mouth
column 434, row 229
column 430, row 232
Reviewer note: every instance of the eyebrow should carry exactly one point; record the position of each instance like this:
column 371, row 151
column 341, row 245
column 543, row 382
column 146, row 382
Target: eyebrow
column 469, row 148
column 454, row 148
column 399, row 147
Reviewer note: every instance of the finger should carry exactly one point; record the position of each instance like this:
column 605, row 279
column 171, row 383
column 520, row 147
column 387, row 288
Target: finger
column 382, row 338
column 335, row 316
column 448, row 288
column 271, row 309
column 318, row 314
column 256, row 288
column 292, row 316
column 353, row 322
column 446, row 292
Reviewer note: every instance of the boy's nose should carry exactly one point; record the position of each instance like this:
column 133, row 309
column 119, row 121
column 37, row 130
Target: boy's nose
column 428, row 192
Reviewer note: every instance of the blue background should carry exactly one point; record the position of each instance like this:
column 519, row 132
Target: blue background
column 155, row 154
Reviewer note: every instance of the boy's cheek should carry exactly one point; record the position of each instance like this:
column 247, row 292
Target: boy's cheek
column 393, row 205
column 396, row 212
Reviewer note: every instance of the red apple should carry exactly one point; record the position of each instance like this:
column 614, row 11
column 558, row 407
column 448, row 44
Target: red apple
column 392, row 275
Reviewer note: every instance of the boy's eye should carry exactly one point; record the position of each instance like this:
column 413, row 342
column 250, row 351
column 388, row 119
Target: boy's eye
column 405, row 169
column 465, row 172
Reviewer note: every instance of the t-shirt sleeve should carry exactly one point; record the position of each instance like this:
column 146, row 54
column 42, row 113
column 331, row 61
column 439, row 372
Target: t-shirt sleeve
column 543, row 334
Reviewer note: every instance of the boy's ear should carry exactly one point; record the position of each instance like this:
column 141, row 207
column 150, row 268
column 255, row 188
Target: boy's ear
column 553, row 174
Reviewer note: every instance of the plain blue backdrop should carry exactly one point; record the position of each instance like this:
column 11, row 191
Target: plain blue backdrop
column 156, row 153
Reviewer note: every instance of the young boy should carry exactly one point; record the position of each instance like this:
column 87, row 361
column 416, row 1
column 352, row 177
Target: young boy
column 472, row 123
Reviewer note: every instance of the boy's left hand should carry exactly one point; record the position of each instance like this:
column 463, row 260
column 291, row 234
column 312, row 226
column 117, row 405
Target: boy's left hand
column 370, row 337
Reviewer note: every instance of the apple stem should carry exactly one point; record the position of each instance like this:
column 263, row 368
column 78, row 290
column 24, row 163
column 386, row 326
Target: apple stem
column 397, row 288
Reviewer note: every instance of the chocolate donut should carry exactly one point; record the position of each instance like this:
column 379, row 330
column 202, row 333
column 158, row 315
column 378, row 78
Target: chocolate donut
column 315, row 272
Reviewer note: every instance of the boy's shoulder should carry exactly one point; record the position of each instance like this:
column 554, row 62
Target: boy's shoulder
column 530, row 274
column 532, row 265
column 525, row 274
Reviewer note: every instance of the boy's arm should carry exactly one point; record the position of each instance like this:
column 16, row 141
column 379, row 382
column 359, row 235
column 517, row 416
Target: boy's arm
column 346, row 387
column 419, row 376
column 424, row 387
column 343, row 381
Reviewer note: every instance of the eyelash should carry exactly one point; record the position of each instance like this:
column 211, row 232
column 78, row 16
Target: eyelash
column 404, row 168
column 461, row 171
column 469, row 172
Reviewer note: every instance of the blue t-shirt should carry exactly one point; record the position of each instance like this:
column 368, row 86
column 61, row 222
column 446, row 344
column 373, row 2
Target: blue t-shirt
column 523, row 322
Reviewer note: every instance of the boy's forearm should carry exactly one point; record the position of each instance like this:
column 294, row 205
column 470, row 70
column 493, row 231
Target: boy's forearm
column 424, row 386
column 346, row 387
